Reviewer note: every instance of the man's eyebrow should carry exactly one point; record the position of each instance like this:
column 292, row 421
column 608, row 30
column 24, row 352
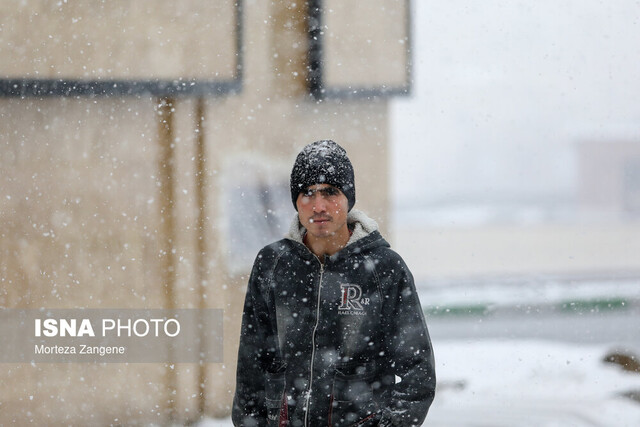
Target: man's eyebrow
column 328, row 191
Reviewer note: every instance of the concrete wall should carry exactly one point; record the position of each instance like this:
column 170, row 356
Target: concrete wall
column 353, row 43
column 124, row 202
column 118, row 39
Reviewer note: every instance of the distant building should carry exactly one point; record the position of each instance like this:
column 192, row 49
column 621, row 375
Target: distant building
column 610, row 177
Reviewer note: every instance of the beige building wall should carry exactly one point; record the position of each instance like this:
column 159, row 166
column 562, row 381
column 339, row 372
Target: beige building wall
column 123, row 202
column 118, row 39
column 81, row 227
column 353, row 30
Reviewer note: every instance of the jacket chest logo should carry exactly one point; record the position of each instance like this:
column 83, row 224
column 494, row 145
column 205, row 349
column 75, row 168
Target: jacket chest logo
column 351, row 301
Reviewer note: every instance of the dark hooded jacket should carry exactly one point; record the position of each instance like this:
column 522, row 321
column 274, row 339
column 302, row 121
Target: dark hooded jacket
column 341, row 343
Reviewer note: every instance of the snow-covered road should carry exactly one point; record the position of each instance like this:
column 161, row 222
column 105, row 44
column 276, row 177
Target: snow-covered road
column 530, row 383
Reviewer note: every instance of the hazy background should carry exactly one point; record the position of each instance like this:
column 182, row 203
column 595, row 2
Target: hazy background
column 504, row 94
column 516, row 187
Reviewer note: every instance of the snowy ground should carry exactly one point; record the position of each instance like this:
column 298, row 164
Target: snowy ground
column 530, row 383
column 532, row 292
column 526, row 383
column 514, row 382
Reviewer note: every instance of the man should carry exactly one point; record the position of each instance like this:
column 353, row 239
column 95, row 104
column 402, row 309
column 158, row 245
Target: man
column 332, row 332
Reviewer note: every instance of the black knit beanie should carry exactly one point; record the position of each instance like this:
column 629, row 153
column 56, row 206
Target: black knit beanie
column 323, row 162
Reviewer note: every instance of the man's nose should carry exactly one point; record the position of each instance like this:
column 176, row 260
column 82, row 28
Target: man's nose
column 319, row 204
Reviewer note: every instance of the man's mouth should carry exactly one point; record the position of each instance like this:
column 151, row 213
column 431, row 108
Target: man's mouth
column 319, row 220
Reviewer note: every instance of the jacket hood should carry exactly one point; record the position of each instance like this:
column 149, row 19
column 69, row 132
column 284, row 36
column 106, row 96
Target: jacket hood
column 359, row 222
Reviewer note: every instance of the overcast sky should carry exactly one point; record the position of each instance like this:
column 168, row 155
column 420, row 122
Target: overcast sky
column 505, row 90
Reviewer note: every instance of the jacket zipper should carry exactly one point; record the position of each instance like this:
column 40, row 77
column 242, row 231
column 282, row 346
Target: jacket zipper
column 313, row 345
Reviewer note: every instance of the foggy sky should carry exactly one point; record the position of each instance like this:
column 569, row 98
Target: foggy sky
column 505, row 91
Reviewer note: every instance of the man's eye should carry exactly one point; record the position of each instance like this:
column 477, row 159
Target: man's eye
column 330, row 191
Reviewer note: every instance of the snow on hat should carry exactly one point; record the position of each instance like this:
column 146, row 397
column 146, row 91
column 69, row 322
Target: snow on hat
column 323, row 162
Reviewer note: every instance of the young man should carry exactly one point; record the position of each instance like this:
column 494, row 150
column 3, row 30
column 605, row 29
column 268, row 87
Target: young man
column 333, row 333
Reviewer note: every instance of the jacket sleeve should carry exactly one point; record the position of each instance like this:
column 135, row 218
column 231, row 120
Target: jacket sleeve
column 256, row 351
column 408, row 351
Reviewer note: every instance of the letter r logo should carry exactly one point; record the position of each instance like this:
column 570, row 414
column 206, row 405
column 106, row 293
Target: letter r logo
column 350, row 297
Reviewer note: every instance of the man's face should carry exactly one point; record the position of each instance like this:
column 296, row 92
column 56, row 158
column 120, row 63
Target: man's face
column 322, row 210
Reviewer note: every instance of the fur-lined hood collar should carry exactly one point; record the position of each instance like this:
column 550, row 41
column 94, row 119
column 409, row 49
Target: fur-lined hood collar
column 360, row 223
